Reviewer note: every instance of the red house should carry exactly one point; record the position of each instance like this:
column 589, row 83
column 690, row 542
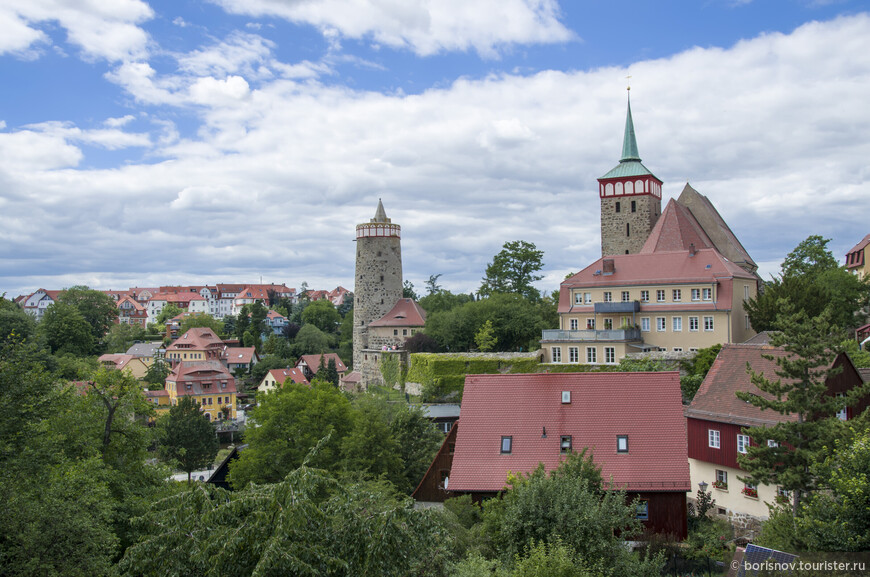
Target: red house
column 631, row 423
column 716, row 420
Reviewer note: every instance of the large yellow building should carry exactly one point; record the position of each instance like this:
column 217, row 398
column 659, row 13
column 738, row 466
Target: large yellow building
column 209, row 383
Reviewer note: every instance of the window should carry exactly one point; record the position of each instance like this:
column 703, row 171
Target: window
column 708, row 294
column 591, row 355
column 678, row 349
column 677, row 295
column 633, row 206
column 678, row 324
column 404, row 332
column 644, row 324
column 742, row 443
column 696, row 294
column 622, row 443
column 661, row 323
column 395, row 332
column 746, row 323
column 772, row 444
column 565, row 444
column 578, row 298
column 644, row 296
column 660, row 296
column 693, row 324
column 627, row 230
column 566, row 397
column 609, row 355
column 713, row 438
column 608, row 296
column 573, row 324
column 750, row 490
column 746, row 292
column 626, row 296
column 708, row 324
column 642, row 511
column 587, row 298
column 573, row 354
column 617, row 206
column 556, row 354
column 608, row 324
column 842, row 414
column 590, row 324
column 721, row 481
column 506, row 443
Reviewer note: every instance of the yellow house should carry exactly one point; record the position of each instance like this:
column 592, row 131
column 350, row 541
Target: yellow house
column 277, row 377
column 209, row 383
column 857, row 258
column 136, row 365
column 197, row 344
column 160, row 400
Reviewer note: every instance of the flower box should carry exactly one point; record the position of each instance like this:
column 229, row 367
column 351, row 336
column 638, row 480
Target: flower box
column 720, row 485
column 750, row 492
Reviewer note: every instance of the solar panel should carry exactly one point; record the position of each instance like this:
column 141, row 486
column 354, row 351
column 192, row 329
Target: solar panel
column 761, row 560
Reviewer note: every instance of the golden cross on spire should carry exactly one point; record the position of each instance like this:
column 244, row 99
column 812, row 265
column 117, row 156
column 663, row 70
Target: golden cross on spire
column 629, row 82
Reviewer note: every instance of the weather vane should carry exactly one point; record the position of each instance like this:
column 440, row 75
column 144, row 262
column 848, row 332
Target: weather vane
column 629, row 82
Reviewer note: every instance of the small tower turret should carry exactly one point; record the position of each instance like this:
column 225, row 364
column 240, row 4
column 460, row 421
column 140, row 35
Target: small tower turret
column 631, row 199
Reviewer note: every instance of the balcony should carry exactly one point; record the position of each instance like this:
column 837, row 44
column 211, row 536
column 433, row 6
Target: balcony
column 556, row 335
column 617, row 307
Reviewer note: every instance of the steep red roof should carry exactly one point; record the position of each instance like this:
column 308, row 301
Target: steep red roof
column 406, row 313
column 646, row 407
column 676, row 229
column 120, row 361
column 199, row 338
column 857, row 260
column 295, row 375
column 240, row 355
column 204, row 378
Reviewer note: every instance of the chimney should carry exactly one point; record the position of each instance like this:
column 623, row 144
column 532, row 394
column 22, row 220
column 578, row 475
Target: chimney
column 692, row 250
column 608, row 266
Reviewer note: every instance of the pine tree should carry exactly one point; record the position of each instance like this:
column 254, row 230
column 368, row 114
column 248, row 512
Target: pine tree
column 187, row 437
column 783, row 454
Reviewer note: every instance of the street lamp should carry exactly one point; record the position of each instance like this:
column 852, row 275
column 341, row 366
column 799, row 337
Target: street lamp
column 703, row 486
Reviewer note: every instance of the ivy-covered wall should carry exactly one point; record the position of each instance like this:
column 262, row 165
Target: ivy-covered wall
column 442, row 376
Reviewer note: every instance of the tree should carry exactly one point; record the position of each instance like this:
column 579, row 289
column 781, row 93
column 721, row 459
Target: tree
column 157, row 373
column 798, row 392
column 186, row 437
column 485, row 338
column 391, row 370
column 118, row 397
column 122, row 336
column 443, row 300
column 310, row 341
column 322, row 314
column 66, row 330
column 369, row 447
column 97, row 308
column 421, row 343
column 197, row 320
column 418, row 441
column 290, row 422
column 432, row 286
column 15, row 323
column 330, row 373
column 513, row 271
column 169, row 311
column 811, row 281
column 408, row 291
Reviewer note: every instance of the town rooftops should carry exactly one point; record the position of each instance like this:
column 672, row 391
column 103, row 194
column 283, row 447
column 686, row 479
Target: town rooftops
column 239, row 355
column 313, row 362
column 675, row 230
column 119, row 361
column 858, row 251
column 406, row 313
column 537, row 412
column 201, row 378
column 198, row 338
column 295, row 375
column 181, row 297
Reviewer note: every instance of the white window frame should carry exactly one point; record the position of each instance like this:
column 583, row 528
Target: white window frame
column 578, row 298
column 592, row 355
column 708, row 324
column 587, row 298
column 707, row 294
column 573, row 354
column 556, row 354
column 590, row 323
column 661, row 324
column 644, row 324
column 644, row 296
column 842, row 414
column 696, row 294
column 714, row 440
column 677, row 295
column 626, row 296
column 677, row 324
column 693, row 324
column 610, row 355
column 574, row 324
column 660, row 295
column 608, row 296
column 742, row 443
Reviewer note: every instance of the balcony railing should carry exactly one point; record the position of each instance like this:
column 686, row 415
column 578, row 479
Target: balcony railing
column 617, row 307
column 591, row 335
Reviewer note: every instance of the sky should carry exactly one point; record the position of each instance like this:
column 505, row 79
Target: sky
column 145, row 143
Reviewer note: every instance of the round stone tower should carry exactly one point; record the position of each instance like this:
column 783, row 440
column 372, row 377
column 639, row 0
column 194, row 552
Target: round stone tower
column 378, row 283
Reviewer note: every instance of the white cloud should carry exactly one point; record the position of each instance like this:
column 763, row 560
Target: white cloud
column 773, row 130
column 107, row 30
column 423, row 26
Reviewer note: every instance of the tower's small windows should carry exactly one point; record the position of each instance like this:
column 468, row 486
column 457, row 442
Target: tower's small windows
column 382, row 278
column 626, row 252
column 617, row 206
column 627, row 229
column 633, row 206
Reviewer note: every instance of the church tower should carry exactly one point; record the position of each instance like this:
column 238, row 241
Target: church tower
column 378, row 282
column 631, row 199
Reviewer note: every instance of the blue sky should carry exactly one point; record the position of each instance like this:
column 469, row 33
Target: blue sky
column 145, row 143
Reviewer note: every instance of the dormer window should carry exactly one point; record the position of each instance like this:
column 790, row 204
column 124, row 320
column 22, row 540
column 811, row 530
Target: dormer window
column 622, row 443
column 566, row 397
column 506, row 445
column 565, row 444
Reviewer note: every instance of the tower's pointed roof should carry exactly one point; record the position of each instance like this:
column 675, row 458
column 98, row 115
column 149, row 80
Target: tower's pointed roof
column 380, row 214
column 629, row 142
column 629, row 164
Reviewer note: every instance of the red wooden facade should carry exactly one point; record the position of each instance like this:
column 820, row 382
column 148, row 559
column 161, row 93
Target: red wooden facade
column 699, row 446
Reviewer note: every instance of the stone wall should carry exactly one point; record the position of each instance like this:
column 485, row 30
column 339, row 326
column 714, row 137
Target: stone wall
column 641, row 222
column 377, row 288
column 369, row 365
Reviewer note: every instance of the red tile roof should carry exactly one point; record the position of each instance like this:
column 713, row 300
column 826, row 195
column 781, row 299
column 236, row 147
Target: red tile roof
column 199, row 339
column 406, row 313
column 858, row 248
column 657, row 268
column 182, row 297
column 295, row 375
column 240, row 355
column 676, row 229
column 716, row 399
column 647, row 407
column 313, row 362
column 199, row 375
column 119, row 360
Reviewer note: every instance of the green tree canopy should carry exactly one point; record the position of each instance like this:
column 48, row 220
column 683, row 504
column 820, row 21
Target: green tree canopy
column 197, row 320
column 97, row 308
column 122, row 336
column 66, row 330
column 186, row 437
column 322, row 314
column 310, row 341
column 169, row 311
column 408, row 291
column 513, row 270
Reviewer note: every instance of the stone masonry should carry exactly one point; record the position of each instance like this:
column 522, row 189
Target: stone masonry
column 615, row 237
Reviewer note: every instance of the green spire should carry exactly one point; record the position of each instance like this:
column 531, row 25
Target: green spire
column 629, row 143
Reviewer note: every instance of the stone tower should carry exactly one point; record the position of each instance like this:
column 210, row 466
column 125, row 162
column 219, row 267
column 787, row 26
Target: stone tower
column 631, row 199
column 378, row 284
